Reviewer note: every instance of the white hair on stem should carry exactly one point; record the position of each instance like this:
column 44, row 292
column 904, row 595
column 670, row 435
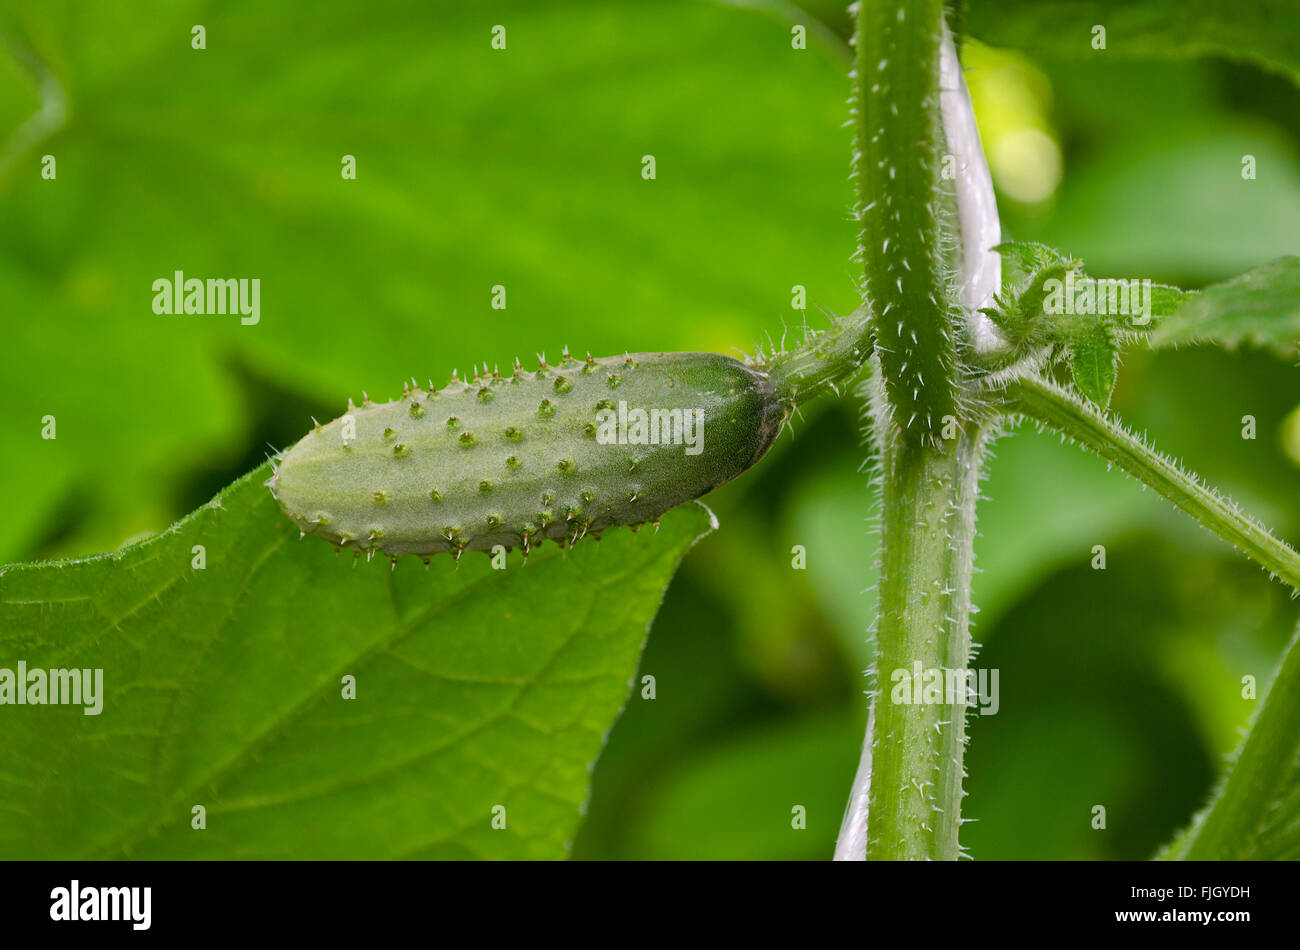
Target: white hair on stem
column 981, row 279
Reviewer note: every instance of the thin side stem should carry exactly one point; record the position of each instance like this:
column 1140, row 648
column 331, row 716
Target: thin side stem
column 824, row 361
column 1067, row 414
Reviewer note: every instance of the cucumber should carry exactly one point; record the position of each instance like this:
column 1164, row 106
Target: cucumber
column 555, row 454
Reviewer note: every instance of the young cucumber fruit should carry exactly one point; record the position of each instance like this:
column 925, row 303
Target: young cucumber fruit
column 514, row 460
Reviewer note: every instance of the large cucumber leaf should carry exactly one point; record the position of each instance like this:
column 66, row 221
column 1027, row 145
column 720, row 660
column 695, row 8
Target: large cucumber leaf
column 223, row 687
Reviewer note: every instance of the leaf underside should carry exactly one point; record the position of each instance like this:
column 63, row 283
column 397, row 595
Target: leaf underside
column 475, row 688
column 1259, row 308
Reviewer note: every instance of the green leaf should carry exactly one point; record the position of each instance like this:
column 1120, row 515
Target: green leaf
column 1094, row 359
column 1021, row 304
column 1142, row 29
column 1254, row 813
column 1019, row 312
column 1260, row 307
column 1166, row 299
column 1023, row 258
column 223, row 687
column 1029, row 309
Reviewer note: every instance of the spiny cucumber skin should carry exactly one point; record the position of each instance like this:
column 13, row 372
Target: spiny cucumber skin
column 514, row 460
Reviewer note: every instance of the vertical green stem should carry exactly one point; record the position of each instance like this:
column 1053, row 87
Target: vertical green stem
column 928, row 499
column 929, row 448
column 900, row 198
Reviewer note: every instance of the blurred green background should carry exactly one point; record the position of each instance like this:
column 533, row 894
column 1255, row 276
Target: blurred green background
column 522, row 167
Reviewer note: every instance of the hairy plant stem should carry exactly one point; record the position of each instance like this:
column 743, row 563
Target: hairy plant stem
column 930, row 447
column 902, row 202
column 928, row 496
column 1067, row 414
column 920, row 308
column 824, row 361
